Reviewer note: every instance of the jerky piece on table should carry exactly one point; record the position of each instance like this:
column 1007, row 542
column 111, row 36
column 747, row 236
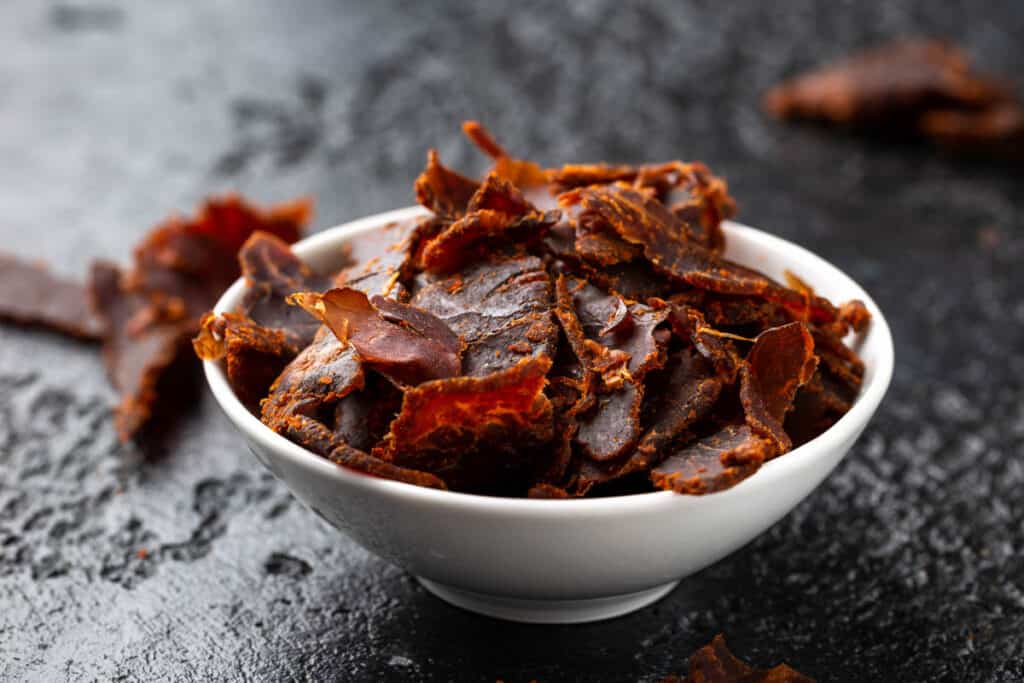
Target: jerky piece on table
column 674, row 249
column 481, row 434
column 141, row 341
column 381, row 258
column 888, row 86
column 715, row 663
column 714, row 463
column 321, row 375
column 254, row 355
column 780, row 362
column 272, row 273
column 403, row 342
column 500, row 308
column 442, row 190
column 996, row 132
column 31, row 295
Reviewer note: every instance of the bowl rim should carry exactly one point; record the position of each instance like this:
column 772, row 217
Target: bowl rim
column 789, row 465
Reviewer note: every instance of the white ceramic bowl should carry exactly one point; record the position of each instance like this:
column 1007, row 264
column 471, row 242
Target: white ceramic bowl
column 565, row 561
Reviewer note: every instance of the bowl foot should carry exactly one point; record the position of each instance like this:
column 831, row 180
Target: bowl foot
column 548, row 611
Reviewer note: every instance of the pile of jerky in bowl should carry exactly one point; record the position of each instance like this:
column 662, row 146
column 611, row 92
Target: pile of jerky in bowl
column 550, row 333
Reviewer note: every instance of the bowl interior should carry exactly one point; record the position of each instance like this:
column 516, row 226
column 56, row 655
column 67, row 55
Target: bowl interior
column 748, row 246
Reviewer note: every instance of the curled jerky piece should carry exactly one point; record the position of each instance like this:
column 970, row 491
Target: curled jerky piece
column 322, row 374
column 714, row 463
column 272, row 273
column 890, row 85
column 442, row 190
column 254, row 355
column 715, row 663
column 500, row 308
column 467, row 238
column 401, row 341
column 32, row 295
column 141, row 341
column 356, row 459
column 780, row 362
column 526, row 175
column 701, row 200
column 476, row 433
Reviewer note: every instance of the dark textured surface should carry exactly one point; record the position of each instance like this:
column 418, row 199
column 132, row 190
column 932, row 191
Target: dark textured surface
column 182, row 559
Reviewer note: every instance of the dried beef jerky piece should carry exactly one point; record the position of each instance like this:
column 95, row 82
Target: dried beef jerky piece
column 526, row 175
column 688, row 323
column 31, row 295
column 272, row 273
column 701, row 200
column 571, row 176
column 500, row 308
column 855, row 315
column 322, row 374
column 383, row 257
column 307, row 432
column 780, row 362
column 141, row 342
column 442, row 190
column 548, row 492
column 496, row 194
column 634, row 281
column 996, row 132
column 817, row 406
column 612, row 427
column 473, row 236
column 362, row 418
column 601, row 247
column 190, row 262
column 715, row 663
column 701, row 467
column 886, row 86
column 680, row 396
column 476, row 433
column 356, row 459
column 403, row 342
column 254, row 355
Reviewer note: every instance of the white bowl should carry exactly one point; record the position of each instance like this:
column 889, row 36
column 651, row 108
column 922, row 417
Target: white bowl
column 565, row 561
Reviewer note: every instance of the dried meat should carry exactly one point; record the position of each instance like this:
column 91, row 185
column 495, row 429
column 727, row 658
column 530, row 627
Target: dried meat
column 701, row 467
column 31, row 295
column 715, row 663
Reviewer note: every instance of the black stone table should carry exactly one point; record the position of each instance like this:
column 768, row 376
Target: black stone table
column 179, row 558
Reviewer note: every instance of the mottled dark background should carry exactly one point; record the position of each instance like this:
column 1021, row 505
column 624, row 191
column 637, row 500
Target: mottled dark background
column 905, row 565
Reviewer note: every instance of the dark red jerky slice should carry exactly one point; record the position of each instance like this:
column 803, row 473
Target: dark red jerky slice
column 688, row 323
column 701, row 200
column 473, row 236
column 321, row 375
column 192, row 261
column 356, row 459
column 714, row 663
column 701, row 468
column 403, row 342
column 611, row 428
column 680, row 396
column 442, row 190
column 308, row 432
column 887, row 86
column 817, row 406
column 32, row 295
column 362, row 418
column 580, row 175
column 141, row 342
column 383, row 259
column 780, row 362
column 272, row 273
column 476, row 433
column 499, row 308
column 254, row 355
column 501, row 196
column 601, row 247
column 634, row 281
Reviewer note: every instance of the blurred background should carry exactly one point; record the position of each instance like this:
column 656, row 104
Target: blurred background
column 904, row 565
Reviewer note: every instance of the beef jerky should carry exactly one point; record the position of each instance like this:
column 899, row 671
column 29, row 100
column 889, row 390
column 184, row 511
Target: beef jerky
column 272, row 273
column 688, row 323
column 714, row 463
column 322, row 374
column 470, row 237
column 500, row 308
column 702, row 201
column 887, row 86
column 32, row 295
column 571, row 176
column 362, row 418
column 817, row 406
column 254, row 355
column 612, row 426
column 780, row 362
column 142, row 341
column 442, row 190
column 996, row 132
column 528, row 176
column 601, row 247
column 356, row 459
column 405, row 343
column 715, row 663
column 382, row 258
column 476, row 433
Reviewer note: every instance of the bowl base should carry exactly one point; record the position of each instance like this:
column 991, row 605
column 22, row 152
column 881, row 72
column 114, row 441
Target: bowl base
column 548, row 611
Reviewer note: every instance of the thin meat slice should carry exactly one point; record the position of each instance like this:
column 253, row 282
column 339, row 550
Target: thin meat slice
column 714, row 463
column 442, row 190
column 254, row 355
column 501, row 308
column 362, row 418
column 612, row 427
column 474, row 236
column 404, row 342
column 715, row 663
column 382, row 257
column 528, row 176
column 358, row 460
column 31, row 295
column 718, row 348
column 476, row 433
